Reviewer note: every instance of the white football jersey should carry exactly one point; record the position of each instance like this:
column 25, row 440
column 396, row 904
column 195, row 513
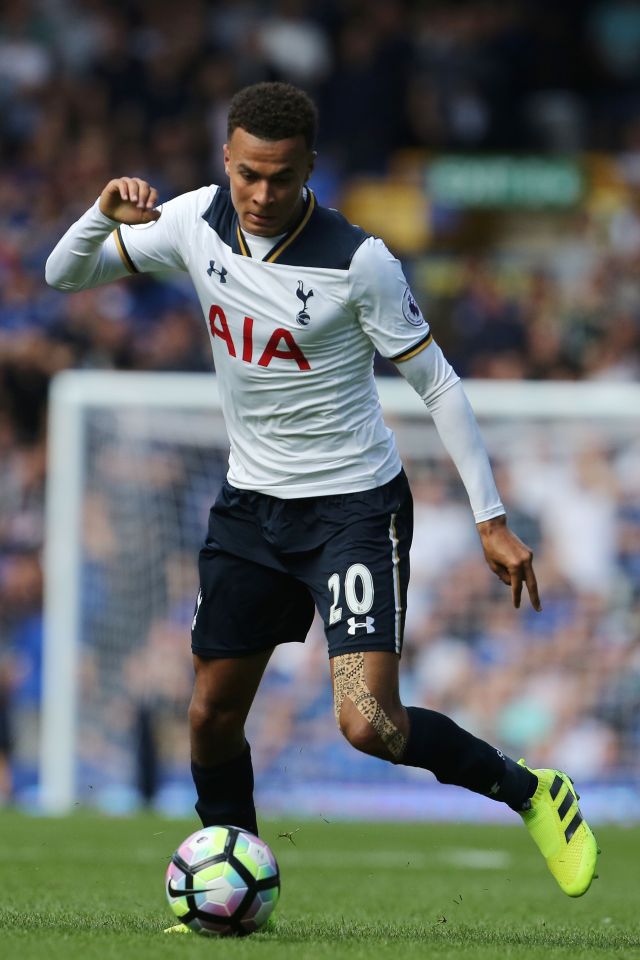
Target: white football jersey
column 293, row 338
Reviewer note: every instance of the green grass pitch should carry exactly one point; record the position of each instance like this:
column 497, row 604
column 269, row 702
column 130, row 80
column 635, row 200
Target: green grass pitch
column 92, row 887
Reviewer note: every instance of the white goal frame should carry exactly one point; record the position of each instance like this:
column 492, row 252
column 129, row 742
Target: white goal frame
column 74, row 392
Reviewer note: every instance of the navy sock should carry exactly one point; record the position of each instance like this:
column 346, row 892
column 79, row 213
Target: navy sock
column 438, row 744
column 225, row 793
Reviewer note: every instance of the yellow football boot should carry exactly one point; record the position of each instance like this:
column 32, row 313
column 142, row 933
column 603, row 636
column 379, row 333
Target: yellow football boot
column 178, row 928
column 560, row 832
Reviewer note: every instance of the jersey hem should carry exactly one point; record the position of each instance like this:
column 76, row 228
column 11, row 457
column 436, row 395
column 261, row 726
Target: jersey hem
column 124, row 253
column 490, row 513
column 337, row 486
column 412, row 351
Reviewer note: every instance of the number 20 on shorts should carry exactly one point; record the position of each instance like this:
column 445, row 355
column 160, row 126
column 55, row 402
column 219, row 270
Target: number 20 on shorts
column 358, row 591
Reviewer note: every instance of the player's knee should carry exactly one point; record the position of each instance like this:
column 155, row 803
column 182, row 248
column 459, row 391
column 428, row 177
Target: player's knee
column 214, row 720
column 373, row 722
column 358, row 730
column 374, row 730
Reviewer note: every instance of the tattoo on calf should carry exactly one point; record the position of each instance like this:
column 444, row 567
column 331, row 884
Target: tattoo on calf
column 349, row 681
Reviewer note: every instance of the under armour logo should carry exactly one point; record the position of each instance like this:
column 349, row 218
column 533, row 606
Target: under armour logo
column 198, row 602
column 222, row 273
column 366, row 624
column 303, row 317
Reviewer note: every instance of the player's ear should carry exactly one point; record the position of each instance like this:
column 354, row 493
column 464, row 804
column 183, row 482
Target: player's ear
column 312, row 162
column 226, row 157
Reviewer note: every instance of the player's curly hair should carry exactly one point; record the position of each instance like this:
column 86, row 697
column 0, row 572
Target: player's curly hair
column 274, row 111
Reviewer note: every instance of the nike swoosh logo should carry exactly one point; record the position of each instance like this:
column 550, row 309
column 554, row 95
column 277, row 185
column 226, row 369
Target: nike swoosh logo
column 175, row 892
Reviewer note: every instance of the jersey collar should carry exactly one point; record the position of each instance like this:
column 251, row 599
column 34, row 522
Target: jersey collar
column 241, row 246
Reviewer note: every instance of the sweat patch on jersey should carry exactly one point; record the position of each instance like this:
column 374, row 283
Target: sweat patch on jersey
column 349, row 681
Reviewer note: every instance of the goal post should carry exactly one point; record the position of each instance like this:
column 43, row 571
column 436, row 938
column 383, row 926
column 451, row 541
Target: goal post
column 72, row 394
column 134, row 459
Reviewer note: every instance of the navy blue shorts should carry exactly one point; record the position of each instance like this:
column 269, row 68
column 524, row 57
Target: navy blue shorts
column 267, row 563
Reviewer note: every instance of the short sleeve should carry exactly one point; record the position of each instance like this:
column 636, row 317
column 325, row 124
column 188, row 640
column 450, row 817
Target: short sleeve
column 163, row 244
column 386, row 308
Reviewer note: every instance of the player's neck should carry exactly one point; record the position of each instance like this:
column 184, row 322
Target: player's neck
column 259, row 247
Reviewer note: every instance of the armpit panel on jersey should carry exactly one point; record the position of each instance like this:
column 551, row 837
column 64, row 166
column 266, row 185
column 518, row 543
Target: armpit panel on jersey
column 321, row 238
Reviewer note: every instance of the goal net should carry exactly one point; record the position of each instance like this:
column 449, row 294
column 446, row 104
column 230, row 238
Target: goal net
column 135, row 461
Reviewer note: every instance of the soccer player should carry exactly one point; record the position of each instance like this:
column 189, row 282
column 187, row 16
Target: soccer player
column 316, row 510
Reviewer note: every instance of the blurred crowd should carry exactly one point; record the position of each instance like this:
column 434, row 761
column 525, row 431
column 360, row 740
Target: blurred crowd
column 91, row 89
column 562, row 686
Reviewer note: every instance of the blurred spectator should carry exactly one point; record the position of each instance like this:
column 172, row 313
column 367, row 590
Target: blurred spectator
column 20, row 667
column 294, row 47
column 89, row 90
column 362, row 108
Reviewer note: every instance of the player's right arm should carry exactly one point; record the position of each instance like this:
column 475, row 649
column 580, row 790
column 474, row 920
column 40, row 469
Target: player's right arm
column 93, row 251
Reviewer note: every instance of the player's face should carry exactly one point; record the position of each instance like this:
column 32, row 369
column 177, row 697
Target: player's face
column 266, row 179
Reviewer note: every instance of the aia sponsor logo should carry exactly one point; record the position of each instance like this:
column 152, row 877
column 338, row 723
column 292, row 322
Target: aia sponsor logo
column 281, row 342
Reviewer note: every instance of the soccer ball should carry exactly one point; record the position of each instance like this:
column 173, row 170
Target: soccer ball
column 223, row 881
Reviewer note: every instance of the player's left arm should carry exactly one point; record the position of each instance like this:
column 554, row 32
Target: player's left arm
column 433, row 378
column 391, row 318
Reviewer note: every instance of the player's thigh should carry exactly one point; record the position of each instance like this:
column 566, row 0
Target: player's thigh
column 367, row 702
column 244, row 608
column 228, row 685
column 361, row 579
column 374, row 671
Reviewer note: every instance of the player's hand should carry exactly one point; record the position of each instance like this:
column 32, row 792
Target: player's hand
column 510, row 559
column 129, row 200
